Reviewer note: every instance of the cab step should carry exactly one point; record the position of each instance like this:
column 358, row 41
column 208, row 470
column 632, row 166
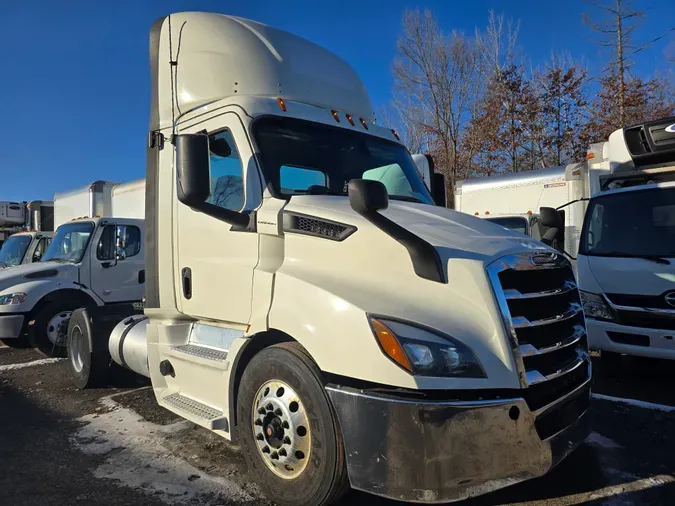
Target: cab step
column 200, row 413
column 201, row 351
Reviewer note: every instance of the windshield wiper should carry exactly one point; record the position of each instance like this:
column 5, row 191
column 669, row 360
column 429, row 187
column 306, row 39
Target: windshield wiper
column 406, row 198
column 655, row 258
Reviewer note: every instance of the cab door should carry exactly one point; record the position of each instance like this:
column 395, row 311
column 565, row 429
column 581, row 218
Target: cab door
column 214, row 264
column 117, row 263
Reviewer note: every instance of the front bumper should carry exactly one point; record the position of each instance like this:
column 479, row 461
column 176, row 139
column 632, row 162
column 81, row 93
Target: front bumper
column 434, row 452
column 11, row 326
column 638, row 341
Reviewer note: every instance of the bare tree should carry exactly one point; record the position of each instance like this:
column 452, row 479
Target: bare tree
column 620, row 21
column 436, row 74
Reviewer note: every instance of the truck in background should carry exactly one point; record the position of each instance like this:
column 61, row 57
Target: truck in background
column 307, row 299
column 92, row 260
column 128, row 199
column 26, row 243
column 626, row 261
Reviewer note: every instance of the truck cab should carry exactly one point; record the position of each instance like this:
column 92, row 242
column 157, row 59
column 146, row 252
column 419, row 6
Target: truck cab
column 94, row 261
column 307, row 297
column 24, row 248
column 626, row 256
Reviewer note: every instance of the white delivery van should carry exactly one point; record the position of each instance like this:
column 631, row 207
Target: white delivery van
column 306, row 298
column 626, row 259
column 90, row 261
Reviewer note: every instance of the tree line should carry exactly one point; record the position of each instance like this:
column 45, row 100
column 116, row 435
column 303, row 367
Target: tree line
column 478, row 105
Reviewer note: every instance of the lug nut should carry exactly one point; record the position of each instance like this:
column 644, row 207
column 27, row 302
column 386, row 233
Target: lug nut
column 260, row 437
column 284, row 424
column 275, row 456
column 266, row 449
column 287, row 440
column 269, row 407
column 261, row 411
column 258, row 422
column 278, row 412
column 282, row 452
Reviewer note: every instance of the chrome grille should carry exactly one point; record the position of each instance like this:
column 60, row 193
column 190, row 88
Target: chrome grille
column 542, row 313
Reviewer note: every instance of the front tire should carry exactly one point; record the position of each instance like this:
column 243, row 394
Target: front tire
column 50, row 331
column 293, row 444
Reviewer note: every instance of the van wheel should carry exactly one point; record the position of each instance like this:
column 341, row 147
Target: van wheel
column 50, row 331
column 88, row 369
column 290, row 432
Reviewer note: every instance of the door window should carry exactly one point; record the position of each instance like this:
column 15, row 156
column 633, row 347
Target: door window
column 40, row 249
column 130, row 242
column 227, row 182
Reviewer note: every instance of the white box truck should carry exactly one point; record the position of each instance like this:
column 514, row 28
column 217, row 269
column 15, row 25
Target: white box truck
column 306, row 298
column 128, row 199
column 27, row 244
column 91, row 260
column 90, row 201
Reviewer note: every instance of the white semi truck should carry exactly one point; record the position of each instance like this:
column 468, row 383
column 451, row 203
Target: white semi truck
column 306, row 298
column 91, row 260
column 25, row 243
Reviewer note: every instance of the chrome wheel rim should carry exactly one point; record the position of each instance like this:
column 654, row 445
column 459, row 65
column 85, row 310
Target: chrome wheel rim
column 57, row 328
column 76, row 340
column 281, row 429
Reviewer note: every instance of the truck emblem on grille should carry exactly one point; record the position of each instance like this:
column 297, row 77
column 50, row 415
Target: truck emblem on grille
column 543, row 258
column 670, row 298
column 671, row 129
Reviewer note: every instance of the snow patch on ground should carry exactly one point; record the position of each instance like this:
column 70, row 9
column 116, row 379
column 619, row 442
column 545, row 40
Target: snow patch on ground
column 633, row 402
column 137, row 456
column 43, row 361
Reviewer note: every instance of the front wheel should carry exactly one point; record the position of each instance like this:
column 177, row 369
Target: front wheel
column 293, row 445
column 50, row 331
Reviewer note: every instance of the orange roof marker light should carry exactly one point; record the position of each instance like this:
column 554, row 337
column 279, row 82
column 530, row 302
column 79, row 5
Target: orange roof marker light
column 349, row 118
column 363, row 122
column 335, row 115
column 395, row 134
column 282, row 104
column 487, row 212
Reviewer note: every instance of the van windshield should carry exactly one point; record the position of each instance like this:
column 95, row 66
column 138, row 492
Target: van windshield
column 306, row 158
column 13, row 250
column 69, row 243
column 632, row 224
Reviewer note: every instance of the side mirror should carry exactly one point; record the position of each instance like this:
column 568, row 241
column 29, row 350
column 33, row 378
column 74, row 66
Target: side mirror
column 193, row 168
column 438, row 189
column 120, row 242
column 367, row 196
column 553, row 222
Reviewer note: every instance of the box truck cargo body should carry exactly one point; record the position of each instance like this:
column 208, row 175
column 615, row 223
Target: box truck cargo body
column 89, row 201
column 128, row 199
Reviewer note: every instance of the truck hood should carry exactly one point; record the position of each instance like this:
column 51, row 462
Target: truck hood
column 465, row 235
column 629, row 275
column 40, row 270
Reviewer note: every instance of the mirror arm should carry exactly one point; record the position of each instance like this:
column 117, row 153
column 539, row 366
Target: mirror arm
column 232, row 217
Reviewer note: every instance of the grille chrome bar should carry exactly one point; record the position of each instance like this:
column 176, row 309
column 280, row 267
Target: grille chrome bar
column 534, row 377
column 528, row 350
column 512, row 294
column 521, row 321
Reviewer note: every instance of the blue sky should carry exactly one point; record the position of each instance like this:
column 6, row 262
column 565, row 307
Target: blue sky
column 75, row 77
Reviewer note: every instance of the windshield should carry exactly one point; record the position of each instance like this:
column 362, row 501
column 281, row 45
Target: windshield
column 632, row 224
column 512, row 223
column 69, row 243
column 305, row 158
column 13, row 250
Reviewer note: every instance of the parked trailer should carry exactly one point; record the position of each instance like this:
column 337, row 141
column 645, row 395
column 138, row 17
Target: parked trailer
column 350, row 332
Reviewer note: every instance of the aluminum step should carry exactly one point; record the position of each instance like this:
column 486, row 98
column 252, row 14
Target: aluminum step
column 201, row 351
column 202, row 414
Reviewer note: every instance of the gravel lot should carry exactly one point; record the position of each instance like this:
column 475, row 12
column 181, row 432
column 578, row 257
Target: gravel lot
column 60, row 446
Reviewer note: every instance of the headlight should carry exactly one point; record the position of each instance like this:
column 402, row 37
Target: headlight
column 12, row 298
column 425, row 353
column 596, row 307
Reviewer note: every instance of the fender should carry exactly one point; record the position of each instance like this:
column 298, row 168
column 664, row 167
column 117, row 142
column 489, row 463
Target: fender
column 38, row 290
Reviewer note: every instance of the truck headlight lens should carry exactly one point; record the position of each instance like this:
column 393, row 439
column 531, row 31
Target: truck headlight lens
column 596, row 307
column 12, row 298
column 425, row 353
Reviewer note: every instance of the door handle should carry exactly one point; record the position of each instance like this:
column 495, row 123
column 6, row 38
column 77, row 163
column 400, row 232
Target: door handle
column 141, row 276
column 187, row 282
